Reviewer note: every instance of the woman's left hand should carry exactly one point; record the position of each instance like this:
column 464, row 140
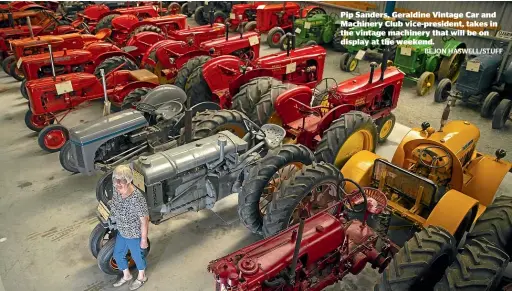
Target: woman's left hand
column 144, row 244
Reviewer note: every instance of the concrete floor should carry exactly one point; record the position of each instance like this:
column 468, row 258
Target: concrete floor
column 46, row 214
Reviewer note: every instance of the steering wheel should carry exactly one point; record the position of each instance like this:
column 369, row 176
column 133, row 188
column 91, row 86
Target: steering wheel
column 250, row 125
column 434, row 158
column 447, row 38
column 354, row 201
column 146, row 107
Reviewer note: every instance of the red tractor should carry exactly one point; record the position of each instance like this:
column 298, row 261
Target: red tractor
column 316, row 252
column 51, row 99
column 241, row 14
column 277, row 19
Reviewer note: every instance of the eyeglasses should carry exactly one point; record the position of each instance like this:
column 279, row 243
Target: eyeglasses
column 119, row 181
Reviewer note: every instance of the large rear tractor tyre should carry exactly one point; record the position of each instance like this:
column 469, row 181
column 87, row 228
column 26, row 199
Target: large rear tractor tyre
column 16, row 73
column 134, row 96
column 251, row 93
column 479, row 267
column 110, row 64
column 186, row 70
column 352, row 132
column 106, row 261
column 421, row 262
column 206, row 124
column 385, row 126
column 144, row 28
column 105, row 188
column 99, row 237
column 311, row 189
column 265, row 112
column 105, row 22
column 6, row 64
column 425, row 83
column 502, row 114
column 450, row 67
column 196, row 87
column 66, row 158
column 199, row 16
column 490, row 103
column 495, row 225
column 274, row 36
column 443, row 90
column 264, row 181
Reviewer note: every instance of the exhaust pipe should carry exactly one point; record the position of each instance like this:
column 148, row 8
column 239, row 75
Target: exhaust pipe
column 288, row 43
column 446, row 113
column 11, row 19
column 188, row 122
column 51, row 61
column 241, row 28
column 30, row 27
column 298, row 240
column 373, row 65
column 293, row 31
column 104, row 83
column 211, row 17
column 227, row 24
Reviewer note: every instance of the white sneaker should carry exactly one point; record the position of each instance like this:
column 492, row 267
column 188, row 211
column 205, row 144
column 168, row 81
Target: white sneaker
column 122, row 281
column 138, row 283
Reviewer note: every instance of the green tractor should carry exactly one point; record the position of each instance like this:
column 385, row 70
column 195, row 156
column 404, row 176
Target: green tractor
column 317, row 29
column 420, row 66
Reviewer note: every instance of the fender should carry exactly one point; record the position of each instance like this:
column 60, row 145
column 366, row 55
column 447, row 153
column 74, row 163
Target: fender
column 94, row 12
column 359, row 168
column 122, row 91
column 308, row 8
column 143, row 41
column 399, row 156
column 452, row 45
column 31, row 6
column 107, row 55
column 287, row 108
column 234, row 86
column 124, row 22
column 450, row 211
column 107, row 13
column 181, row 60
column 138, row 24
column 147, row 58
column 200, row 107
column 333, row 115
column 220, row 71
column 171, row 49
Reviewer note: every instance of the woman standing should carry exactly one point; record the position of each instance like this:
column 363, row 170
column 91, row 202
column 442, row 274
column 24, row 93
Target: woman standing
column 130, row 212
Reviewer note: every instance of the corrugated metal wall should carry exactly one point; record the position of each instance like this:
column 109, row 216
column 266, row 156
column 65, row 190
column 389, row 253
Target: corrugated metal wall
column 448, row 6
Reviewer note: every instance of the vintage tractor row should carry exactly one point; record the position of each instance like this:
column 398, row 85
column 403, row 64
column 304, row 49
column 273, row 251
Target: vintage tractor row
column 485, row 81
column 422, row 67
column 243, row 14
column 220, row 11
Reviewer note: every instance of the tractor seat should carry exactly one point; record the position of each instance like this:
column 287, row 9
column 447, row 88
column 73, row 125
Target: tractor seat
column 170, row 110
column 144, row 76
column 310, row 123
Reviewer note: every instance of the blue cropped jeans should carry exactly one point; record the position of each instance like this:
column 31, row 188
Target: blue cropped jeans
column 121, row 248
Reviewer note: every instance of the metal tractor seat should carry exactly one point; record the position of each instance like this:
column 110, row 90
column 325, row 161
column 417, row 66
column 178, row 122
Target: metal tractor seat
column 274, row 135
column 144, row 75
column 169, row 110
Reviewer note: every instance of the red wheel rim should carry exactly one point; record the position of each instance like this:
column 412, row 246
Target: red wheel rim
column 55, row 139
column 219, row 19
column 276, row 37
column 38, row 121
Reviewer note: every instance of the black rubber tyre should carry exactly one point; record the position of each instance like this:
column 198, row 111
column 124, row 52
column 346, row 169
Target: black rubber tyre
column 495, row 225
column 350, row 60
column 105, row 188
column 97, row 238
column 173, row 5
column 220, row 14
column 110, row 64
column 23, row 89
column 479, row 267
column 187, row 69
column 196, row 87
column 251, row 93
column 310, row 42
column 501, row 114
column 43, row 133
column 421, row 262
column 340, row 131
column 105, row 22
column 208, row 123
column 184, row 10
column 283, row 43
column 199, row 16
column 273, row 31
column 134, row 96
column 105, row 255
column 6, row 64
column 31, row 125
column 16, row 73
column 383, row 135
column 315, row 11
column 291, row 193
column 490, row 103
column 265, row 108
column 143, row 28
column 261, row 175
column 250, row 26
column 67, row 161
column 443, row 90
column 344, row 61
column 336, row 41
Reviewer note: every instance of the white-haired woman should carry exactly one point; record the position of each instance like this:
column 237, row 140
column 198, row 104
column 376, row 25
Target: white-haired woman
column 130, row 211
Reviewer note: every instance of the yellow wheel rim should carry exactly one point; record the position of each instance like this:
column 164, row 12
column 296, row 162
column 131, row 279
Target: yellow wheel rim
column 158, row 72
column 358, row 141
column 234, row 128
column 427, row 84
column 275, row 119
column 386, row 128
column 353, row 65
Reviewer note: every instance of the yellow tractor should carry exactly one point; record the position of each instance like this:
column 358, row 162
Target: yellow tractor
column 438, row 185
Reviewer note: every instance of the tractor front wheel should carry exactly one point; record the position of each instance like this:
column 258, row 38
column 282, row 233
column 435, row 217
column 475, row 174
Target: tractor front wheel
column 144, row 28
column 6, row 64
column 283, row 43
column 490, row 103
column 219, row 17
column 106, row 261
column 251, row 93
column 99, row 237
column 421, row 262
column 250, row 26
column 502, row 114
column 105, row 22
column 16, row 73
column 185, row 11
column 443, row 90
column 173, row 8
column 479, row 267
column 23, row 89
column 186, row 70
column 53, row 137
column 105, row 188
column 110, row 64
column 310, row 190
column 385, row 126
column 274, row 37
column 199, row 16
column 37, row 122
column 344, row 61
column 352, row 132
column 264, row 182
column 66, row 158
column 425, row 83
column 450, row 67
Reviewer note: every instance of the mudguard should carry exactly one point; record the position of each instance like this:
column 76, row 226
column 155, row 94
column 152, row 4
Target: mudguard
column 359, row 168
column 399, row 156
column 150, row 57
column 452, row 45
column 332, row 115
column 200, row 107
column 107, row 13
column 121, row 92
column 286, row 106
column 88, row 137
column 180, row 61
column 220, row 71
column 107, row 55
column 94, row 12
column 163, row 94
column 124, row 22
column 234, row 86
column 143, row 41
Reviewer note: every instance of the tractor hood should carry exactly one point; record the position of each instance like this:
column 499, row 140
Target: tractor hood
column 124, row 22
column 277, row 7
column 97, row 48
column 136, row 9
column 219, row 43
column 198, row 29
column 19, row 30
column 310, row 52
column 361, row 83
column 59, row 57
column 94, row 11
column 78, row 80
column 110, row 125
